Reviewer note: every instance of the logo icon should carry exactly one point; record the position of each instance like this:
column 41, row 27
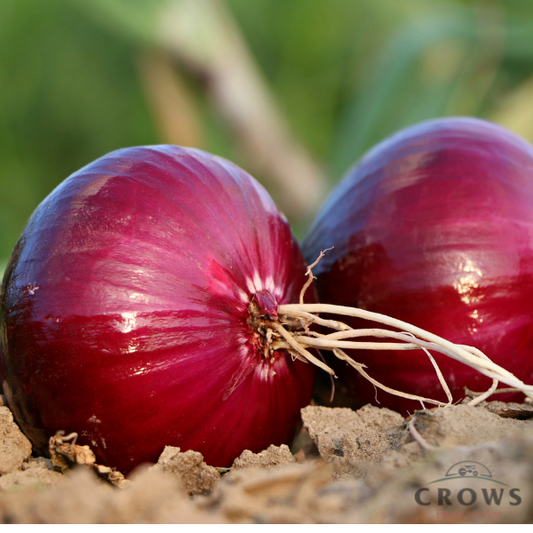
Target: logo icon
column 468, row 469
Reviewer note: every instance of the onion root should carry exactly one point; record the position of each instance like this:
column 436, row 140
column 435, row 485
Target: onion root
column 293, row 331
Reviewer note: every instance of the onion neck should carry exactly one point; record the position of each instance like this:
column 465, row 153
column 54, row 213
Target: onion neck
column 262, row 320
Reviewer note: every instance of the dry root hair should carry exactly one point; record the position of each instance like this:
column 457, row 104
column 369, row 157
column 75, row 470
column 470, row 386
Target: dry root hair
column 292, row 331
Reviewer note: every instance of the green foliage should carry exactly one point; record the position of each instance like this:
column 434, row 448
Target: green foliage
column 345, row 73
column 316, row 54
column 69, row 94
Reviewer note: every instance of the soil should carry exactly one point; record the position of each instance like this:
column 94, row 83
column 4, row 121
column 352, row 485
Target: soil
column 458, row 464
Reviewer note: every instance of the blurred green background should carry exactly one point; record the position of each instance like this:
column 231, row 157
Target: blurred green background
column 294, row 91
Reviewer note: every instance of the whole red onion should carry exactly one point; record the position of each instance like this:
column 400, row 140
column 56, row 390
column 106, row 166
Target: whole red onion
column 132, row 311
column 434, row 226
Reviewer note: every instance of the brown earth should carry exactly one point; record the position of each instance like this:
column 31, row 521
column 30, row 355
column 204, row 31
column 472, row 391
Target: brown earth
column 364, row 466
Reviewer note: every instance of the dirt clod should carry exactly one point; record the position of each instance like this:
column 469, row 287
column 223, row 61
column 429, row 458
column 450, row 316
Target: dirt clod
column 15, row 448
column 272, row 456
column 195, row 476
column 37, row 474
column 459, row 464
column 352, row 439
column 281, row 494
column 464, row 425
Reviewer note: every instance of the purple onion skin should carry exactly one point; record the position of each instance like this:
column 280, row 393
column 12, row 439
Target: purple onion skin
column 434, row 226
column 125, row 307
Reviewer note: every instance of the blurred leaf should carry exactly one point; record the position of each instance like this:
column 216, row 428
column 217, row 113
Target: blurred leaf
column 135, row 19
column 69, row 93
column 203, row 35
column 516, row 112
column 316, row 52
column 343, row 75
column 398, row 91
column 175, row 111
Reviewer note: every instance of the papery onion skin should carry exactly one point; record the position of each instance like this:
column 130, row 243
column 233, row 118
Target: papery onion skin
column 125, row 307
column 434, row 226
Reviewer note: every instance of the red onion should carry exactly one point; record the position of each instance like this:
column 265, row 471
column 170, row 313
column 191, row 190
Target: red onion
column 134, row 306
column 434, row 226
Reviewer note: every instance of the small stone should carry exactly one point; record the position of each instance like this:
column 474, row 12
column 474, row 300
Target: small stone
column 15, row 448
